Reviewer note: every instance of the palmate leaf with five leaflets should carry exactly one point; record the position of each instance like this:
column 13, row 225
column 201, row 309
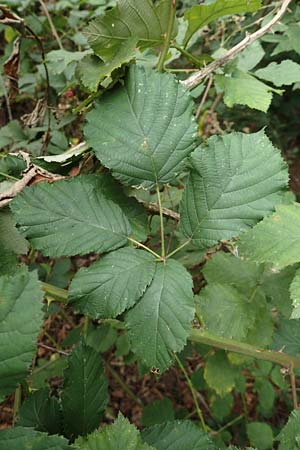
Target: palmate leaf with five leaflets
column 152, row 134
column 113, row 284
column 70, row 217
column 200, row 15
column 234, row 182
column 20, row 321
column 85, row 395
column 160, row 322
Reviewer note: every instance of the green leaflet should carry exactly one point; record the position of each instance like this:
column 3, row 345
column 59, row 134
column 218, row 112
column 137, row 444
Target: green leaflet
column 243, row 89
column 226, row 311
column 276, row 239
column 120, row 435
column 85, row 395
column 221, row 407
column 200, row 15
column 92, row 70
column 113, row 284
column 158, row 411
column 250, row 56
column 287, row 336
column 276, row 286
column 219, row 374
column 19, row 438
column 285, row 73
column 289, row 437
column 160, row 322
column 134, row 211
column 227, row 269
column 233, row 304
column 60, row 60
column 70, row 217
column 295, row 295
column 178, row 435
column 42, row 412
column 235, row 181
column 260, row 435
column 131, row 20
column 10, row 238
column 151, row 136
column 20, row 321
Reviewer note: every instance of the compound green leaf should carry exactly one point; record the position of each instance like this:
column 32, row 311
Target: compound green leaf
column 113, row 284
column 243, row 89
column 20, row 321
column 225, row 311
column 200, row 15
column 276, row 239
column 42, row 412
column 178, row 435
column 152, row 134
column 19, row 438
column 289, row 437
column 234, row 182
column 70, row 217
column 260, row 435
column 160, row 322
column 219, row 374
column 85, row 395
column 295, row 295
column 131, row 20
column 120, row 435
column 285, row 73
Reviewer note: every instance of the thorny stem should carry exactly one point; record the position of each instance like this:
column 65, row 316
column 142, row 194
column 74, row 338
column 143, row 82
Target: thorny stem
column 162, row 230
column 198, row 335
column 283, row 359
column 168, row 36
column 192, row 389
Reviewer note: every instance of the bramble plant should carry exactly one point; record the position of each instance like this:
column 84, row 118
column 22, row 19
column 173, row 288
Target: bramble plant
column 153, row 238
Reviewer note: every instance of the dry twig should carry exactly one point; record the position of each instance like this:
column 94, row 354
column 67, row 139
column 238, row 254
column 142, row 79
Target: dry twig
column 28, row 175
column 197, row 77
